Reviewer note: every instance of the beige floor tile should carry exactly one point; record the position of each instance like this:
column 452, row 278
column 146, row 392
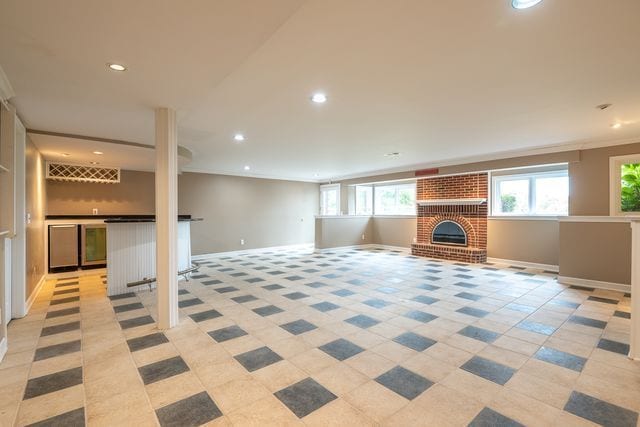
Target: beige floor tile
column 242, row 345
column 524, row 409
column 290, row 347
column 449, row 354
column 319, row 337
column 370, row 364
column 279, row 375
column 338, row 413
column 239, row 393
column 503, row 356
column 220, row 373
column 55, row 364
column 627, row 397
column 545, row 391
column 173, row 389
column 467, row 344
column 340, row 378
column 131, row 408
column 472, row 385
column 514, row 344
column 268, row 411
column 394, row 351
column 313, row 361
column 429, row 367
column 51, row 404
column 375, row 400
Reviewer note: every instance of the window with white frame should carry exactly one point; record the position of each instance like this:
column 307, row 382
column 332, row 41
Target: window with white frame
column 364, row 199
column 395, row 199
column 542, row 193
column 330, row 199
column 624, row 185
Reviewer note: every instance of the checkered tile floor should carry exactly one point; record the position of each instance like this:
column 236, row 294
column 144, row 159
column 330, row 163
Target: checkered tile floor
column 346, row 337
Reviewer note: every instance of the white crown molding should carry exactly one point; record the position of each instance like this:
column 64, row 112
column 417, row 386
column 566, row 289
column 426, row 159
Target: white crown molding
column 6, row 91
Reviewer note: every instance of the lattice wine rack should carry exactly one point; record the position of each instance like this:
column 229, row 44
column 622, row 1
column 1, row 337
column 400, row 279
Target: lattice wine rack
column 78, row 173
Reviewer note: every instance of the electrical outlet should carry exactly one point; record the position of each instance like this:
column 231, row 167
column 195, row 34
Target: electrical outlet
column 242, row 241
column 95, row 211
column 363, row 237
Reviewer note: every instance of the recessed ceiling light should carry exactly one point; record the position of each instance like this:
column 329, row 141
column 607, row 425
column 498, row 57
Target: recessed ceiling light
column 238, row 137
column 524, row 4
column 394, row 154
column 95, row 163
column 116, row 67
column 99, row 153
column 316, row 175
column 616, row 125
column 319, row 98
column 65, row 154
column 247, row 168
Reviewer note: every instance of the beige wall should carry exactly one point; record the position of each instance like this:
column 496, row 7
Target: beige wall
column 596, row 251
column 524, row 240
column 343, row 231
column 35, row 199
column 135, row 194
column 394, row 231
column 263, row 212
column 589, row 179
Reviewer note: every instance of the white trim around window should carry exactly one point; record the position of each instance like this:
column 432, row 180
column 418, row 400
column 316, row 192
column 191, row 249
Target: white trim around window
column 330, row 200
column 615, row 184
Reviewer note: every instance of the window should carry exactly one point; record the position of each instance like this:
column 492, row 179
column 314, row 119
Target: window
column 330, row 199
column 531, row 194
column 364, row 200
column 395, row 199
column 625, row 185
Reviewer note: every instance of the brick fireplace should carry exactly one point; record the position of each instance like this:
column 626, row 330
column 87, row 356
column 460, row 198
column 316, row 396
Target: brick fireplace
column 458, row 199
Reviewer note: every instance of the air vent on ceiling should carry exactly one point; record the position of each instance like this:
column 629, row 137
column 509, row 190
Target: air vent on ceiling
column 78, row 173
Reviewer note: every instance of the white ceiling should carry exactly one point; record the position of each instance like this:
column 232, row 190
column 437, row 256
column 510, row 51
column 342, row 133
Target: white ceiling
column 434, row 80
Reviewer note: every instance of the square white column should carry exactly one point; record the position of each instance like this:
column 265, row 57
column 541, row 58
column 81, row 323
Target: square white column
column 634, row 350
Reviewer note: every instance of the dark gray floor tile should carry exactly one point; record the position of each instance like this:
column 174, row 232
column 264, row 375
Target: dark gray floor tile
column 325, row 306
column 53, row 382
column 356, row 282
column 239, row 274
column 387, row 290
column 404, row 382
column 189, row 302
column 163, row 369
column 479, row 334
column 127, row 307
column 73, row 418
column 490, row 418
column 56, row 350
column 57, row 329
column 341, row 349
column 64, row 300
column 465, row 285
column 298, row 327
column 273, row 287
column 295, row 295
column 420, row 316
column 226, row 289
column 294, row 278
column 362, row 321
column 614, row 346
column 463, row 276
column 211, row 282
column 560, row 358
column 182, row 292
column 205, row 315
column 471, row 311
column 122, row 296
column 581, row 288
column 275, row 272
column 316, row 285
column 193, row 411
column 424, row 299
column 539, row 328
column 599, row 411
column 66, row 291
column 331, row 276
column 198, row 276
column 254, row 280
column 488, row 369
column 305, row 397
column 603, row 300
column 414, row 341
column 258, row 358
column 469, row 296
column 343, row 293
column 244, row 298
column 520, row 307
column 65, row 312
column 135, row 322
column 151, row 340
column 564, row 303
column 428, row 287
column 228, row 333
column 622, row 314
column 376, row 303
column 267, row 310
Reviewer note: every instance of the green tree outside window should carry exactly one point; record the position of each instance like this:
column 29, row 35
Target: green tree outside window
column 630, row 188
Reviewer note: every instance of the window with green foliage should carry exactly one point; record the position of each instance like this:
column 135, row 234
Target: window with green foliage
column 630, row 187
column 531, row 194
column 395, row 199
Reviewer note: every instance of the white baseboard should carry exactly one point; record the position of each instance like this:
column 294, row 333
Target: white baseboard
column 34, row 294
column 367, row 246
column 254, row 250
column 3, row 348
column 588, row 283
column 525, row 264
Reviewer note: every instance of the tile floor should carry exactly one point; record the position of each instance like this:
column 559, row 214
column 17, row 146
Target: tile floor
column 345, row 337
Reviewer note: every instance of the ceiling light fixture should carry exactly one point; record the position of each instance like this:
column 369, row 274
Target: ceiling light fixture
column 247, row 168
column 65, row 154
column 116, row 67
column 524, row 4
column 95, row 163
column 238, row 137
column 319, row 98
column 99, row 153
column 616, row 125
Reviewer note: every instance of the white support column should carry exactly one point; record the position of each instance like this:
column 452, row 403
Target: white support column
column 167, row 217
column 634, row 351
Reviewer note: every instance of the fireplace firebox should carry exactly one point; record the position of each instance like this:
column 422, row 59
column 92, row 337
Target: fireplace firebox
column 449, row 233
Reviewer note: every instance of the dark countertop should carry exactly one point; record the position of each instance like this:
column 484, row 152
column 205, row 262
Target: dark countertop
column 120, row 218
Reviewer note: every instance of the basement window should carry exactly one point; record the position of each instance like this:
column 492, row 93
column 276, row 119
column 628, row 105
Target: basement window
column 624, row 185
column 330, row 199
column 531, row 193
column 395, row 199
column 364, row 199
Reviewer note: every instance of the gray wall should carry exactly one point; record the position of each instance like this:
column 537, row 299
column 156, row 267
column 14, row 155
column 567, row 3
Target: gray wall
column 35, row 199
column 524, row 240
column 263, row 212
column 333, row 232
column 394, row 231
